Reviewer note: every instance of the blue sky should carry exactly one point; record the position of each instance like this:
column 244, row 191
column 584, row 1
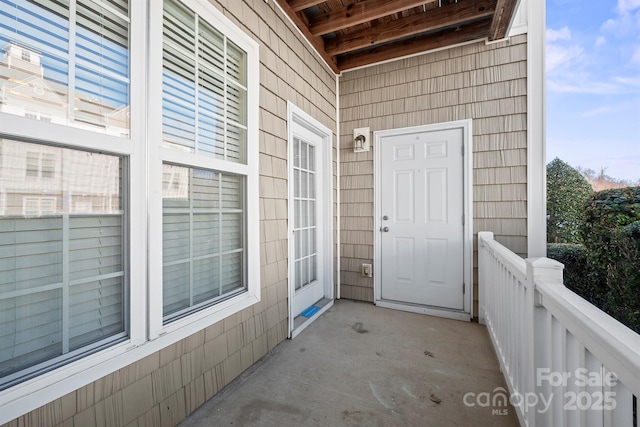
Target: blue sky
column 593, row 85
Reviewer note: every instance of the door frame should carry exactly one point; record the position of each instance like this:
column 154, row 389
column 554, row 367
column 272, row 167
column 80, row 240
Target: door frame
column 297, row 117
column 467, row 181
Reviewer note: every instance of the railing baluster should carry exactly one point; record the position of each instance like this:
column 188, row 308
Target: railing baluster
column 582, row 399
column 543, row 350
column 595, row 391
column 622, row 398
column 558, row 365
column 509, row 310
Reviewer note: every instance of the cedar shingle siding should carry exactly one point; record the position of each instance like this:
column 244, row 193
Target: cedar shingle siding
column 165, row 387
column 486, row 83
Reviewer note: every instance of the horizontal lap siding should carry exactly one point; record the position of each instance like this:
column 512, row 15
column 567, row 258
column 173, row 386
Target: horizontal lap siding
column 162, row 389
column 486, row 83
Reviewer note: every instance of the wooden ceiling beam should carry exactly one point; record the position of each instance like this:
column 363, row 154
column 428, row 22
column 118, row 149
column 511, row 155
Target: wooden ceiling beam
column 505, row 9
column 475, row 31
column 298, row 5
column 358, row 13
column 303, row 18
column 315, row 41
column 454, row 14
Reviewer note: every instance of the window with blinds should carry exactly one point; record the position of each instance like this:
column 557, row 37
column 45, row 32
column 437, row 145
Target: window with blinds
column 204, row 97
column 204, row 87
column 88, row 227
column 69, row 70
column 62, row 274
column 203, row 238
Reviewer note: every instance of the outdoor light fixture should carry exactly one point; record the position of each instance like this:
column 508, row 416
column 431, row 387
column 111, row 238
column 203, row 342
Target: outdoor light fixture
column 361, row 140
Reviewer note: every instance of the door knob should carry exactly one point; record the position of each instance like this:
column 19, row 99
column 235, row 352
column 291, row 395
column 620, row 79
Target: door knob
column 385, row 229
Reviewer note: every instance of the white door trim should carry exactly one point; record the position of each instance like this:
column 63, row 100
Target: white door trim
column 297, row 116
column 467, row 312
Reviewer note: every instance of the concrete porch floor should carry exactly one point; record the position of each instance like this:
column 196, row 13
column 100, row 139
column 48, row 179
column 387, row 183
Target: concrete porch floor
column 360, row 365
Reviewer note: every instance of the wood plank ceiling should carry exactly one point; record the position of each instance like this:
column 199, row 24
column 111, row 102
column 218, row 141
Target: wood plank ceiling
column 353, row 33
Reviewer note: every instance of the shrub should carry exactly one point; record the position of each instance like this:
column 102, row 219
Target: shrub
column 567, row 191
column 623, row 277
column 612, row 239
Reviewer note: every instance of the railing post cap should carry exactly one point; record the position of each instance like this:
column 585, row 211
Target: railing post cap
column 485, row 235
column 544, row 270
column 543, row 262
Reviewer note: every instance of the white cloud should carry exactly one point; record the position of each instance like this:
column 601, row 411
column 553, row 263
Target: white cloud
column 561, row 54
column 562, row 57
column 609, row 25
column 628, row 81
column 580, row 82
column 619, row 107
column 574, row 64
column 599, row 111
column 583, row 85
column 562, row 34
column 635, row 58
column 627, row 6
column 627, row 19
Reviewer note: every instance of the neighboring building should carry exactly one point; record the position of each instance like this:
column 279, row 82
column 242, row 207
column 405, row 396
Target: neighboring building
column 179, row 188
column 24, row 91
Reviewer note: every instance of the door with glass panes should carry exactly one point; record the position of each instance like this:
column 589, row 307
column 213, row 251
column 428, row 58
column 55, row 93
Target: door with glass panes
column 307, row 231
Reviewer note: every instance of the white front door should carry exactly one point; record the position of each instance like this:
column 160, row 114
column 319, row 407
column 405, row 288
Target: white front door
column 422, row 207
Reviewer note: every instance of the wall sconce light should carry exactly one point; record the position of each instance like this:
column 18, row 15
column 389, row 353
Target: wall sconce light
column 361, row 142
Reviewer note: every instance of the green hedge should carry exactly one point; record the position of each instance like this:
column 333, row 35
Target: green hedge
column 576, row 269
column 612, row 239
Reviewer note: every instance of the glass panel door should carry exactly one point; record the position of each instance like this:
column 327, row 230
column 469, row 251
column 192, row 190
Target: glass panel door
column 310, row 220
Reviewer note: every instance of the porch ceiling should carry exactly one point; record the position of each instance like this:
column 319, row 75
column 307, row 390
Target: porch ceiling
column 353, row 33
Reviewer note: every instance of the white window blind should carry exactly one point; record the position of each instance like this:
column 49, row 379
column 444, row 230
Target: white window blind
column 203, row 238
column 62, row 275
column 204, row 87
column 69, row 70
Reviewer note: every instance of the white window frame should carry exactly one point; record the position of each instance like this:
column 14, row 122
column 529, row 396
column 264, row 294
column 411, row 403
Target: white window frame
column 147, row 335
column 35, row 392
column 160, row 155
column 38, row 211
column 40, row 159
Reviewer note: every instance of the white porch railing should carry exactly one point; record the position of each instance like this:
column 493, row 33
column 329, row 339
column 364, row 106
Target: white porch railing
column 566, row 362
